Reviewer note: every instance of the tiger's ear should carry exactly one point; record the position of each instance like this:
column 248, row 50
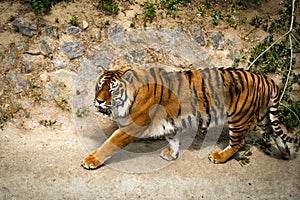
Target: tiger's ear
column 126, row 68
column 128, row 76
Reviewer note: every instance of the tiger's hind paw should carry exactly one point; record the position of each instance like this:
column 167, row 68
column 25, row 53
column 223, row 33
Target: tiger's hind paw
column 90, row 162
column 169, row 154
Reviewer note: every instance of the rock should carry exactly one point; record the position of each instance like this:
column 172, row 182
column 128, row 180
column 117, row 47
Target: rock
column 20, row 81
column 217, row 40
column 88, row 70
column 45, row 47
column 9, row 60
column 32, row 62
column 101, row 59
column 51, row 90
column 73, row 49
column 85, row 24
column 28, row 66
column 116, row 34
column 59, row 64
column 49, row 32
column 25, row 28
column 73, row 30
column 197, row 34
column 115, row 30
column 137, row 55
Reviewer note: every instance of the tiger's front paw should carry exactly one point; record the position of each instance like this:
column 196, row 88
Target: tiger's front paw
column 90, row 162
column 169, row 154
column 216, row 158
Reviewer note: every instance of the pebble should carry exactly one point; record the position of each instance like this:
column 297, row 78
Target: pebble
column 85, row 24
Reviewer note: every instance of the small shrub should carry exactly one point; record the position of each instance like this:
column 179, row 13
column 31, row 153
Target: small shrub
column 149, row 11
column 74, row 21
column 276, row 58
column 40, row 6
column 80, row 112
column 109, row 6
column 216, row 17
column 289, row 115
column 256, row 21
column 11, row 18
column 43, row 6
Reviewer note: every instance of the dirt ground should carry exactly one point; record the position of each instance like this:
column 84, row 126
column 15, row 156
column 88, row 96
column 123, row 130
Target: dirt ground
column 41, row 160
column 44, row 163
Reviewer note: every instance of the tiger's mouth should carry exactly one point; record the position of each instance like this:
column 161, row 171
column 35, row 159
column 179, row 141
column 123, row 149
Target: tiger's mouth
column 103, row 110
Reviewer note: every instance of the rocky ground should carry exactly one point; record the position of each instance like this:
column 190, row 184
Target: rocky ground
column 48, row 69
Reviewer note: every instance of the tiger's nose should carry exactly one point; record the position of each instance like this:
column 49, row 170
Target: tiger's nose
column 99, row 102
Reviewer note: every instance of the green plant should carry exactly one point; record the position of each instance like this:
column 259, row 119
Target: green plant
column 3, row 117
column 171, row 5
column 43, row 6
column 107, row 23
column 216, row 17
column 132, row 25
column 236, row 62
column 56, row 20
column 74, row 21
column 61, row 102
column 80, row 112
column 17, row 29
column 49, row 55
column 289, row 115
column 256, row 21
column 40, row 6
column 11, row 18
column 109, row 6
column 104, row 25
column 245, row 153
column 276, row 57
column 48, row 122
column 201, row 11
column 230, row 16
column 149, row 11
column 204, row 8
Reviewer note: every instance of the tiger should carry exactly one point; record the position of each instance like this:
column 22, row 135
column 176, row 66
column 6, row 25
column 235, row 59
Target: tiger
column 156, row 102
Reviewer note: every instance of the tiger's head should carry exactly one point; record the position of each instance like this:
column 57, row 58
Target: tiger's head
column 110, row 91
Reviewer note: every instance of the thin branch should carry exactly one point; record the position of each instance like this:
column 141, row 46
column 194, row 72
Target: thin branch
column 291, row 57
column 267, row 49
column 290, row 110
column 290, row 69
column 295, row 38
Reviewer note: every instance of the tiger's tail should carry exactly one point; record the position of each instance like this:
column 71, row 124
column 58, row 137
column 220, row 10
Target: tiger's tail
column 279, row 136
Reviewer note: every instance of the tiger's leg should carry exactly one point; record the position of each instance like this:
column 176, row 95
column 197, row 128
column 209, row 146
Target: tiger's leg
column 237, row 141
column 116, row 141
column 278, row 136
column 172, row 152
column 270, row 124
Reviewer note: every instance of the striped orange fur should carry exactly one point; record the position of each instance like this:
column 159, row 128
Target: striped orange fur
column 155, row 102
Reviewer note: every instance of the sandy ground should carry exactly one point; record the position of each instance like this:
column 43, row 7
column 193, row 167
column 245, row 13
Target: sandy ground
column 44, row 163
